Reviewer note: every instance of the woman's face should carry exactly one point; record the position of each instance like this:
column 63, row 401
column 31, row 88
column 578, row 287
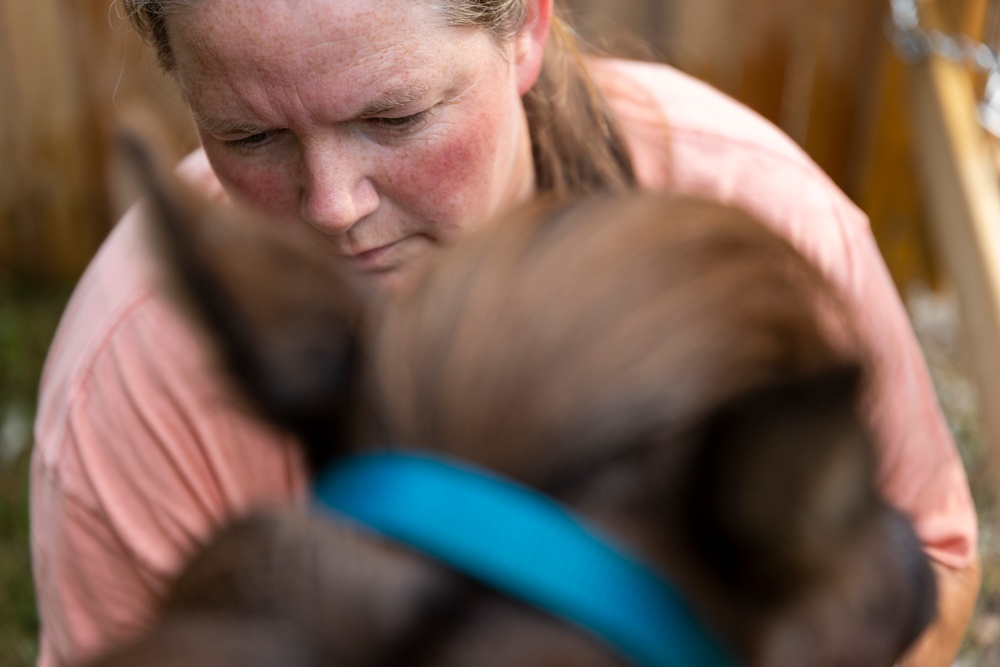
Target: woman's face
column 370, row 120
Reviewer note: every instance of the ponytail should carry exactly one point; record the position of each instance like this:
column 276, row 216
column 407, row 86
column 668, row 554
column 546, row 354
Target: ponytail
column 576, row 144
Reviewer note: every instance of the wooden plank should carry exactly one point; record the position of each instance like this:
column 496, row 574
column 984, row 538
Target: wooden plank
column 7, row 138
column 796, row 113
column 64, row 74
column 973, row 15
column 706, row 39
column 847, row 38
column 883, row 181
column 623, row 27
column 128, row 80
column 767, row 51
column 962, row 188
column 52, row 196
column 804, row 65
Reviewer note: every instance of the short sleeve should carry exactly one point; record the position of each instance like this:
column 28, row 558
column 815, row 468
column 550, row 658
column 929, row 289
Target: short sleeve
column 921, row 472
column 709, row 145
column 141, row 452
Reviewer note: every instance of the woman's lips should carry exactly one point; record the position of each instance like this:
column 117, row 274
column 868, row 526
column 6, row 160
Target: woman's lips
column 385, row 257
column 374, row 259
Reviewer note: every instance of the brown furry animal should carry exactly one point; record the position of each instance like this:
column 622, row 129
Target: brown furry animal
column 666, row 367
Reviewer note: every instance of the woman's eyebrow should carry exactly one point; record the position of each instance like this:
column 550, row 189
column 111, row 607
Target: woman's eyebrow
column 392, row 100
column 384, row 103
column 221, row 126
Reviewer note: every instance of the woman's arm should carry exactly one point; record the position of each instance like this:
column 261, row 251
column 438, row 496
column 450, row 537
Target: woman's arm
column 141, row 451
column 957, row 593
column 717, row 148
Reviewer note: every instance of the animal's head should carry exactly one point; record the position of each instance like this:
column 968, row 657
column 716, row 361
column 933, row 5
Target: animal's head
column 664, row 366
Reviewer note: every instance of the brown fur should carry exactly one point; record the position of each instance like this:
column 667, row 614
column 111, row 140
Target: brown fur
column 662, row 364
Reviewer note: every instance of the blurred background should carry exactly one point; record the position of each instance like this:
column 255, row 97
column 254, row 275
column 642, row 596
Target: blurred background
column 891, row 97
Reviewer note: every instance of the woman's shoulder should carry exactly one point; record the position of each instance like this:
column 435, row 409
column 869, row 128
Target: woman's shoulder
column 691, row 110
column 126, row 270
column 119, row 309
column 686, row 136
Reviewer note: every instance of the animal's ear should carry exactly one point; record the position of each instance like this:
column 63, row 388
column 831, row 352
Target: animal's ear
column 286, row 317
column 782, row 483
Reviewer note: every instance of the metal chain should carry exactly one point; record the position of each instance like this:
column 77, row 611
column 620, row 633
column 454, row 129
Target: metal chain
column 914, row 45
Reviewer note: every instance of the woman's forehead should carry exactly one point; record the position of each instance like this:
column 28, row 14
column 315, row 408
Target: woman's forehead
column 299, row 46
column 337, row 17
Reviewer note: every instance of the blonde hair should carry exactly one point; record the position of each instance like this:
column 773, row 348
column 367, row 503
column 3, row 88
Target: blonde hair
column 576, row 144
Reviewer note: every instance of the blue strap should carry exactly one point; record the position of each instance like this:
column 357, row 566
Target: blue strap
column 522, row 543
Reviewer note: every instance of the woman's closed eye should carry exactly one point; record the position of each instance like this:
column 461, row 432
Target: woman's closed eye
column 390, row 125
column 401, row 124
column 250, row 143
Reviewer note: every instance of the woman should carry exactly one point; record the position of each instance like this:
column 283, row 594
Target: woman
column 706, row 423
column 393, row 127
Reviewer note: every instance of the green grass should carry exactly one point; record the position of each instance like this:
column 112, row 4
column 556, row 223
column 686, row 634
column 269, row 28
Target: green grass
column 18, row 621
column 28, row 317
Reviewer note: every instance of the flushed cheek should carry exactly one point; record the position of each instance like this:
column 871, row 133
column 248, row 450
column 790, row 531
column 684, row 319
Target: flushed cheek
column 265, row 186
column 456, row 180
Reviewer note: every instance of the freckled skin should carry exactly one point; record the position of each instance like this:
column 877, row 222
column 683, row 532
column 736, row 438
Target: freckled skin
column 298, row 74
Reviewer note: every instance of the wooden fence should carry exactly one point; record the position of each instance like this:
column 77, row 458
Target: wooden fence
column 66, row 68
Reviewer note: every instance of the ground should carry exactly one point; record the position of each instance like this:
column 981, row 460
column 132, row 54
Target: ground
column 28, row 316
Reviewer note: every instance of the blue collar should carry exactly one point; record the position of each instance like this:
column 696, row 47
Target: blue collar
column 522, row 543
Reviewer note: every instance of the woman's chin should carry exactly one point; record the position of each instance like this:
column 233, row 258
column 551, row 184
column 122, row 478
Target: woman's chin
column 395, row 279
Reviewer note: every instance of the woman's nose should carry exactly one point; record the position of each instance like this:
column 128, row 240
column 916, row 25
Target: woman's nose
column 337, row 192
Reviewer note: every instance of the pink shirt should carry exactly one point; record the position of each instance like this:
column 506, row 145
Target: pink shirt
column 142, row 449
